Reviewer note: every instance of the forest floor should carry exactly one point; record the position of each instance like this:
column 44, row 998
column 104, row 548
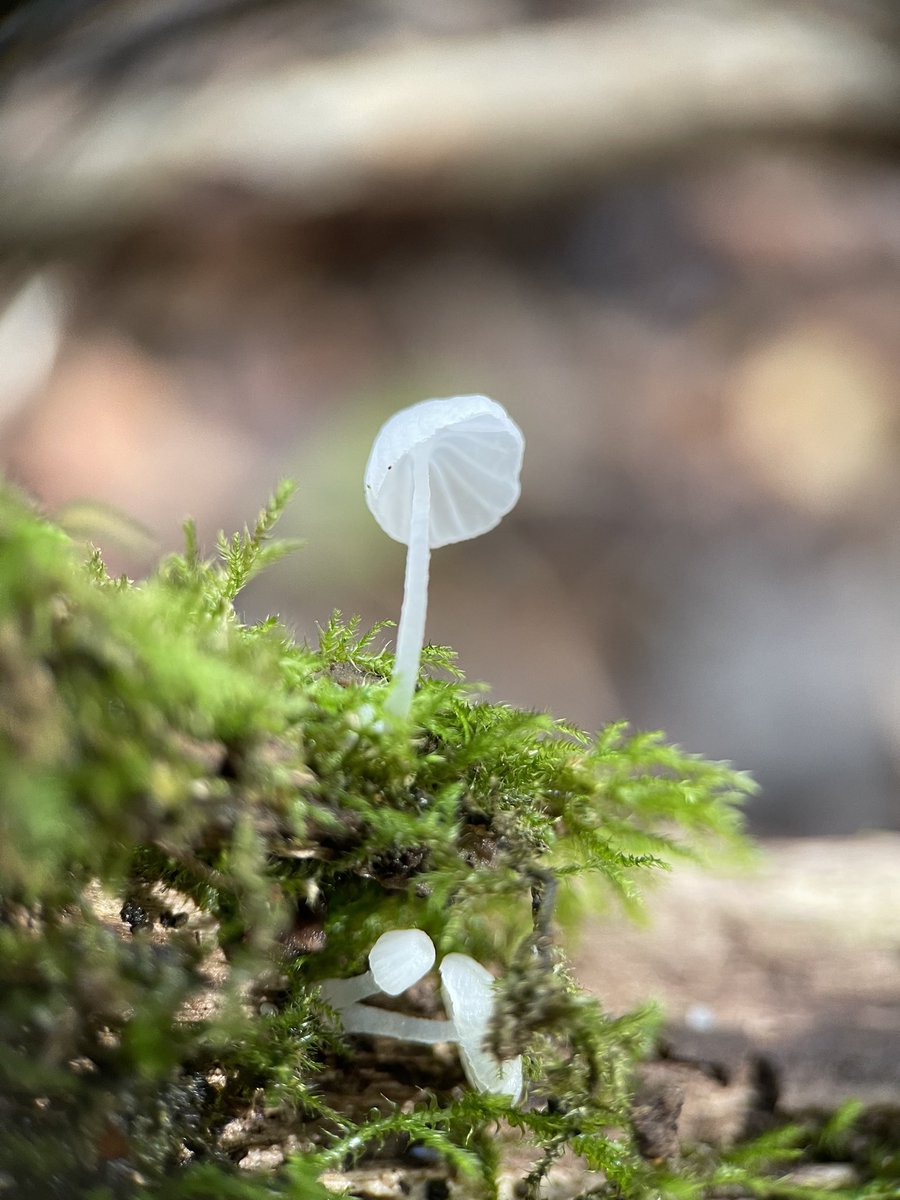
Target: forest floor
column 794, row 963
column 780, row 989
column 779, row 985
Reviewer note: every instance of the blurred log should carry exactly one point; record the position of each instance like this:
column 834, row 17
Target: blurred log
column 794, row 964
column 479, row 121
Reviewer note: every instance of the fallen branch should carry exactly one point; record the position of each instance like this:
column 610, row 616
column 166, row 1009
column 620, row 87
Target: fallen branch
column 512, row 115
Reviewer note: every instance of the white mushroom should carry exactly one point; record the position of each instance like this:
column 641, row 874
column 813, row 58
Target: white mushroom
column 398, row 959
column 468, row 991
column 441, row 471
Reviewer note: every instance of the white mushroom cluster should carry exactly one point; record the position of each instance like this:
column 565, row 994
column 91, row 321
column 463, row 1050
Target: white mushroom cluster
column 401, row 958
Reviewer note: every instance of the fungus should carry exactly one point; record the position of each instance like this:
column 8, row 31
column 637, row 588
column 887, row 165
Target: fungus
column 468, row 991
column 398, row 959
column 439, row 472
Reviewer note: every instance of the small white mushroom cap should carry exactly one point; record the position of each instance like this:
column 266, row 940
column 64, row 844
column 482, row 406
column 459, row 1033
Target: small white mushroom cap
column 400, row 958
column 468, row 992
column 474, row 452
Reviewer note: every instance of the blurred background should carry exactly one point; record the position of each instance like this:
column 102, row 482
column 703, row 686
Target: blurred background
column 235, row 235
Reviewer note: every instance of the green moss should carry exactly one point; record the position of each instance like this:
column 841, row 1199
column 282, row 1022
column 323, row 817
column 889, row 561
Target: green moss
column 245, row 804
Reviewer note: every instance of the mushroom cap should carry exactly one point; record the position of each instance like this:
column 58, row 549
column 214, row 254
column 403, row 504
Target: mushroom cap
column 474, row 452
column 400, row 958
column 468, row 991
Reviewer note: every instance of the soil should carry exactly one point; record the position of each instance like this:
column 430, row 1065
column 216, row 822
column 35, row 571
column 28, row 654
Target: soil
column 794, row 963
column 780, row 987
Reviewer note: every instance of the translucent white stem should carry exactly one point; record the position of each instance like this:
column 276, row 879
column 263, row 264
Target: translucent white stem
column 341, row 993
column 377, row 1022
column 411, row 631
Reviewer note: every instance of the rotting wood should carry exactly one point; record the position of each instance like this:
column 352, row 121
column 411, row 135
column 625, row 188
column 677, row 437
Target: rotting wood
column 793, row 964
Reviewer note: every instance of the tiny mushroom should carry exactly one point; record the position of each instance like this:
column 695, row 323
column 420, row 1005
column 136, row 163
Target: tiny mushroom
column 440, row 471
column 398, row 959
column 467, row 988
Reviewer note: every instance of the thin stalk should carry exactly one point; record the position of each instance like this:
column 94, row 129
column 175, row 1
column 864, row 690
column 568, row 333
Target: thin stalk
column 341, row 993
column 411, row 631
column 378, row 1022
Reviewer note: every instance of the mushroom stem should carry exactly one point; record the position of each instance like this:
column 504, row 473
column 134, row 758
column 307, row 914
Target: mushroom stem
column 379, row 1022
column 411, row 631
column 341, row 993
